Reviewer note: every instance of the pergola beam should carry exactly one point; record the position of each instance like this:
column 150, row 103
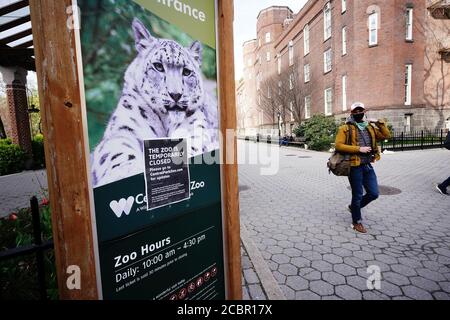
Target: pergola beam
column 14, row 7
column 14, row 23
column 16, row 36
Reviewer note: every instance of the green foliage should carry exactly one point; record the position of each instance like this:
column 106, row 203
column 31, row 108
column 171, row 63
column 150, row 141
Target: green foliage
column 19, row 275
column 12, row 158
column 108, row 48
column 320, row 132
column 38, row 151
column 300, row 130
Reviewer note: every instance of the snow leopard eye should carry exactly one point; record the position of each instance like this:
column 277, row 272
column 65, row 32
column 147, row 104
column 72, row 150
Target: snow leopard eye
column 186, row 72
column 158, row 66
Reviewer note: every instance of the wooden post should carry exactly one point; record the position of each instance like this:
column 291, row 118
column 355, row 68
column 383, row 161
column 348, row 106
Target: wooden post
column 59, row 93
column 230, row 187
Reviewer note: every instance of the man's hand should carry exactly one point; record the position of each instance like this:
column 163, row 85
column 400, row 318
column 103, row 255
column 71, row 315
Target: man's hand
column 365, row 149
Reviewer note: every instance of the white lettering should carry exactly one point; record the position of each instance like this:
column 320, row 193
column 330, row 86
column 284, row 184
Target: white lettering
column 185, row 9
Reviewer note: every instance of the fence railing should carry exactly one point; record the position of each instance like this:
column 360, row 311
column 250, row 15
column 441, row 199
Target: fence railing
column 415, row 140
column 38, row 248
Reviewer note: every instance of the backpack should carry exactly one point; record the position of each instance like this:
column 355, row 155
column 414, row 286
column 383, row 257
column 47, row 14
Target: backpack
column 339, row 163
column 447, row 141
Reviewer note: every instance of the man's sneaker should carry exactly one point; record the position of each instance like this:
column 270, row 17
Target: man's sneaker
column 442, row 190
column 359, row 228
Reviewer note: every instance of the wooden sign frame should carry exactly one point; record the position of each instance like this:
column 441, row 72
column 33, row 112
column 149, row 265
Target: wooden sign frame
column 61, row 106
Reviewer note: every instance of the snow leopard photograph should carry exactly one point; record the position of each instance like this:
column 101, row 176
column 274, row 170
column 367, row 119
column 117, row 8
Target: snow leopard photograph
column 165, row 93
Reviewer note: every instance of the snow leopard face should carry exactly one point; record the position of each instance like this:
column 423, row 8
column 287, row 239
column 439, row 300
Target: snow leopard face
column 167, row 75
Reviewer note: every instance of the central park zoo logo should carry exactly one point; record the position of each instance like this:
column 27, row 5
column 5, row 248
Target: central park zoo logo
column 124, row 206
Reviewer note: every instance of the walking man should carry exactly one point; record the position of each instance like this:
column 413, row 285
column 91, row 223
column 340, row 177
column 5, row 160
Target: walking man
column 442, row 188
column 364, row 151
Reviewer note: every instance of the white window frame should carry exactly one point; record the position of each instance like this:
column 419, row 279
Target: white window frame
column 373, row 28
column 409, row 24
column 344, row 40
column 327, row 61
column 268, row 56
column 306, row 48
column 249, row 62
column 280, row 85
column 344, row 92
column 291, row 81
column 307, row 72
column 408, row 84
column 268, row 39
column 327, row 27
column 258, row 82
column 269, row 93
column 307, row 107
column 328, row 101
column 291, row 53
column 344, row 6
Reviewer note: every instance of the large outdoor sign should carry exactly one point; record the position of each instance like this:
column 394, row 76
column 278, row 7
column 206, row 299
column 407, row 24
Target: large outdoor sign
column 150, row 83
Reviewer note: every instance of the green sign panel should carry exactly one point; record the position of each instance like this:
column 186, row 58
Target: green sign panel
column 150, row 80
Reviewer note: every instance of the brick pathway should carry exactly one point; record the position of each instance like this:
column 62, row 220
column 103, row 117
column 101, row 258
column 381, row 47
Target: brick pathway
column 17, row 189
column 299, row 221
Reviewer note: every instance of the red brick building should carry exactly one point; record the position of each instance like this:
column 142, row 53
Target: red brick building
column 387, row 54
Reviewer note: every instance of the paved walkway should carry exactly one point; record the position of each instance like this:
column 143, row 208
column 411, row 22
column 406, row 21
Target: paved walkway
column 17, row 189
column 299, row 221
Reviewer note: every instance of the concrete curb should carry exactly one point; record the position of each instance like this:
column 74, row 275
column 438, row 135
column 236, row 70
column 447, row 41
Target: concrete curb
column 268, row 282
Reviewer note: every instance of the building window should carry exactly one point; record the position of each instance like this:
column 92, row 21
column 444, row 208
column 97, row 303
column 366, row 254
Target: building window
column 267, row 37
column 327, row 64
column 291, row 53
column 268, row 56
column 279, row 63
column 280, row 84
column 344, row 93
column 250, row 76
column 373, row 29
column 408, row 84
column 344, row 6
column 258, row 81
column 307, row 72
column 409, row 24
column 344, row 41
column 261, row 118
column 327, row 22
column 259, row 42
column 307, row 107
column 269, row 93
column 407, row 126
column 328, row 97
column 249, row 62
column 306, row 39
column 291, row 81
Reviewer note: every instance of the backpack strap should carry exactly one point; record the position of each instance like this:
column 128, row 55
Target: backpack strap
column 349, row 135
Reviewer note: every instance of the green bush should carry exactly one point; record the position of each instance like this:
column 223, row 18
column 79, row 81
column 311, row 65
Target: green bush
column 38, row 151
column 12, row 158
column 18, row 276
column 320, row 132
column 300, row 130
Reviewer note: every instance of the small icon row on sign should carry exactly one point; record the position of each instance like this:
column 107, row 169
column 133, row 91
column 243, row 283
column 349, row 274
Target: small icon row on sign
column 198, row 283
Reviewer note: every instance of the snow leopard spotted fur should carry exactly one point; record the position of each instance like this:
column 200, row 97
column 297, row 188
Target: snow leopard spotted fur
column 163, row 97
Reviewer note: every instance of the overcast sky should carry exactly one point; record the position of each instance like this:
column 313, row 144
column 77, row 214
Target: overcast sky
column 245, row 13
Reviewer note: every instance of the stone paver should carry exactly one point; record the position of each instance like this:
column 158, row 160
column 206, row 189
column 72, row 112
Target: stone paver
column 17, row 189
column 299, row 220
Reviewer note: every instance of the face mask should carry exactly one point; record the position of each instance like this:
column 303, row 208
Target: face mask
column 358, row 117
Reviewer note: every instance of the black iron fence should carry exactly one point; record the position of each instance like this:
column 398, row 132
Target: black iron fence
column 415, row 140
column 38, row 248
